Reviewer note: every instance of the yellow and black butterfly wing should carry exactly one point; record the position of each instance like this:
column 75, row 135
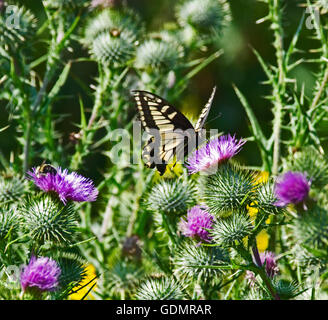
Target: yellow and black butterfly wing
column 166, row 124
column 156, row 113
column 204, row 114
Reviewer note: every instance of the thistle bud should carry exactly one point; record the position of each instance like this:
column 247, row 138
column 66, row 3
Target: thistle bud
column 164, row 288
column 46, row 219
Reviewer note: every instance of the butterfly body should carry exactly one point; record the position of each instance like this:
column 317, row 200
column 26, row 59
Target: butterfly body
column 173, row 136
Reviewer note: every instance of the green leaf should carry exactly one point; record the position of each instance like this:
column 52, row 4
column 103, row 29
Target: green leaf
column 263, row 143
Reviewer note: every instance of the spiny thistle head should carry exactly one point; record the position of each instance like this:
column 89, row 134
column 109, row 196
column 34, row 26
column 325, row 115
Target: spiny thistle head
column 171, row 197
column 12, row 189
column 190, row 261
column 46, row 219
column 266, row 200
column 111, row 36
column 9, row 222
column 311, row 161
column 73, row 269
column 230, row 189
column 206, row 16
column 164, row 288
column 17, row 24
column 124, row 276
column 228, row 231
column 113, row 51
column 311, row 228
column 158, row 55
column 285, row 289
column 117, row 23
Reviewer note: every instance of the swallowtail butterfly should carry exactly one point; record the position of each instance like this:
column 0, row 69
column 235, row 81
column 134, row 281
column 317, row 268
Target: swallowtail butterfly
column 171, row 131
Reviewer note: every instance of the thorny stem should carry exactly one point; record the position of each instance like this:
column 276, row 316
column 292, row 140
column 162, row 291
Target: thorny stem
column 87, row 135
column 30, row 120
column 279, row 87
column 104, row 81
column 279, row 90
column 320, row 91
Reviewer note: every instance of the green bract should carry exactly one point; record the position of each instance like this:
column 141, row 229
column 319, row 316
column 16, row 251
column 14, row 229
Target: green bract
column 46, row 219
column 230, row 188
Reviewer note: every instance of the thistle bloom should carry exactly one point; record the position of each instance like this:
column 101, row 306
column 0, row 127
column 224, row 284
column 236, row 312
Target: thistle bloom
column 68, row 186
column 42, row 273
column 268, row 258
column 197, row 223
column 292, row 187
column 216, row 151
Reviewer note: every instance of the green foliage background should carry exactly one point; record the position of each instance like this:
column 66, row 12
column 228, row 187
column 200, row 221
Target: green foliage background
column 238, row 65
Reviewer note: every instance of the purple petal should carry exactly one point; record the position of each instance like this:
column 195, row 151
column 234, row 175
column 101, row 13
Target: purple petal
column 68, row 186
column 216, row 151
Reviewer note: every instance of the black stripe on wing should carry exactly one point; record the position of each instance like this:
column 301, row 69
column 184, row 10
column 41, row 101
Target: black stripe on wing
column 156, row 113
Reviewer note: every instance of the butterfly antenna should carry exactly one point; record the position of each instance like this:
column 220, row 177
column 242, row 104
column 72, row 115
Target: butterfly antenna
column 218, row 116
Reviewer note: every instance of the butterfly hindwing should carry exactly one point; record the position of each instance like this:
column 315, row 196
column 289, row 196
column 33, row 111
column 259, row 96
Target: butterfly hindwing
column 204, row 114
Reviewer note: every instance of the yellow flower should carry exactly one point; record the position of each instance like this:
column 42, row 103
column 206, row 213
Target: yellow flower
column 173, row 170
column 87, row 283
column 262, row 240
column 261, row 177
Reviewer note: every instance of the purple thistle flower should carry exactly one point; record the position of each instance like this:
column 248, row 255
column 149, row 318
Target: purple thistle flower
column 42, row 273
column 216, row 151
column 292, row 187
column 68, row 186
column 197, row 223
column 269, row 259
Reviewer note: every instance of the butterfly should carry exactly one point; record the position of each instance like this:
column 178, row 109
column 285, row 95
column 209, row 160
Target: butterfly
column 171, row 131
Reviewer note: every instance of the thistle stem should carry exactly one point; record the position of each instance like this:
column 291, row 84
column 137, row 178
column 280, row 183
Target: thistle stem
column 261, row 271
column 320, row 91
column 279, row 87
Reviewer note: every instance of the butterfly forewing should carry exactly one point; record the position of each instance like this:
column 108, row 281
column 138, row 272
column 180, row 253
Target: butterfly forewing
column 156, row 113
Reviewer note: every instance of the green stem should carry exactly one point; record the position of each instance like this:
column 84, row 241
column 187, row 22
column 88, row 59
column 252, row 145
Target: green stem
column 279, row 87
column 321, row 90
column 88, row 134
